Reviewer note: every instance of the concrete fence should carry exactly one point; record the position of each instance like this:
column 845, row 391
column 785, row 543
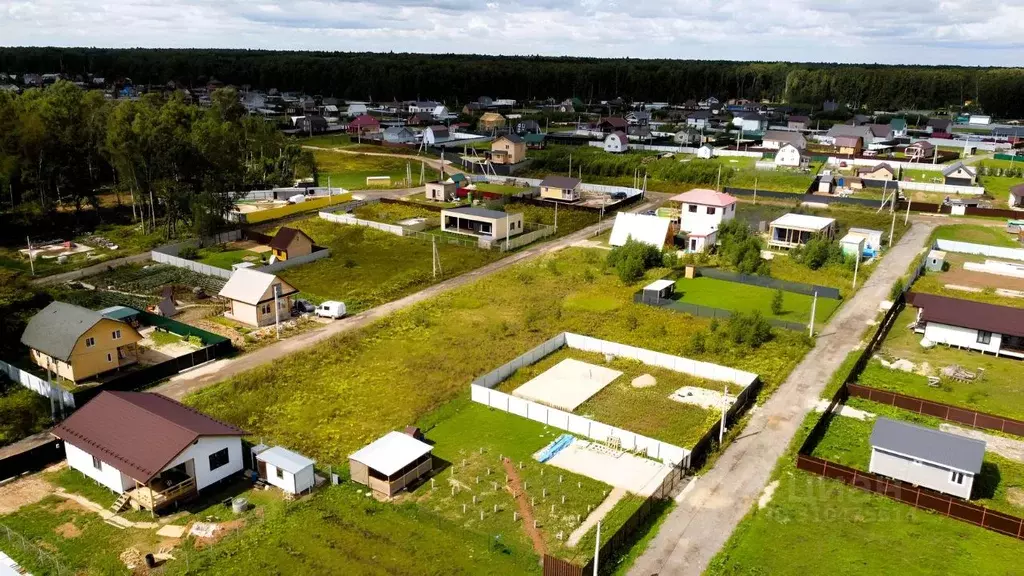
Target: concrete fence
column 295, row 261
column 925, row 165
column 168, row 254
column 980, row 249
column 543, row 231
column 740, row 153
column 38, row 385
column 996, row 267
column 656, row 148
column 192, row 265
column 353, row 221
column 942, row 188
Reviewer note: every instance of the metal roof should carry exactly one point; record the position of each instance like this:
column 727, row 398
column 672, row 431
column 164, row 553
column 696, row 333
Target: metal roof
column 953, row 168
column 284, row 237
column 285, row 459
column 928, row 445
column 119, row 312
column 55, row 330
column 803, row 222
column 564, row 182
column 138, row 433
column 391, row 452
column 705, row 197
column 644, row 228
column 479, row 212
column 659, row 285
column 248, row 286
column 969, row 314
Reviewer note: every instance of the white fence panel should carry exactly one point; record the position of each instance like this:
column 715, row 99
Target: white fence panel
column 353, row 221
column 518, row 406
column 995, row 267
column 38, row 385
column 657, row 148
column 742, row 153
column 943, row 188
column 478, row 393
column 981, row 249
column 197, row 267
column 296, row 261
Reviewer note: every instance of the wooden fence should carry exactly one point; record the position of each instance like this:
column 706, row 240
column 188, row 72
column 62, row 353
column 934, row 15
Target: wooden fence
column 946, row 412
column 915, row 496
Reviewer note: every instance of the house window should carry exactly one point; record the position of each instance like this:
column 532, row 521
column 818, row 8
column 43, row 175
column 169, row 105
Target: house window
column 956, row 478
column 110, row 358
column 266, row 308
column 97, row 463
column 116, row 334
column 984, row 337
column 693, row 208
column 279, row 473
column 711, row 210
column 90, row 342
column 218, row 459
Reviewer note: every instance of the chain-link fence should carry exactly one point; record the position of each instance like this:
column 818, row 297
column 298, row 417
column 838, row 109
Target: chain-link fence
column 769, row 282
column 643, row 297
column 44, row 560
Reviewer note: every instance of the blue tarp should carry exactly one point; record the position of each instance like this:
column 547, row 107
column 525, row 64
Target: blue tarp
column 554, row 448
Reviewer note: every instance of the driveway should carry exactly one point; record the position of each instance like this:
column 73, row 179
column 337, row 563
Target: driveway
column 702, row 522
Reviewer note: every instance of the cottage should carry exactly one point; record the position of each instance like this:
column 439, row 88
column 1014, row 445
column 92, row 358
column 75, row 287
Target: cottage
column 826, row 183
column 436, row 134
column 638, row 118
column 151, row 450
column 968, row 324
column 441, row 191
column 959, row 174
column 564, row 188
column 920, row 150
column 847, row 130
column 356, row 109
column 508, row 149
column 1016, row 199
column 793, row 230
column 252, row 296
column 702, row 210
column 798, row 122
column 391, row 463
column 776, row 139
column 291, row 243
column 290, row 471
column 880, row 132
column 750, row 122
column 938, row 125
column 881, row 171
column 699, row 120
column 398, row 135
column 535, row 141
column 76, row 343
column 898, row 127
column 614, row 124
column 523, row 127
column 490, row 121
column 427, row 106
column 789, row 156
column 481, row 223
column 311, row 124
column 364, row 124
column 420, row 119
column 616, row 142
column 849, row 145
column 926, row 457
column 653, row 230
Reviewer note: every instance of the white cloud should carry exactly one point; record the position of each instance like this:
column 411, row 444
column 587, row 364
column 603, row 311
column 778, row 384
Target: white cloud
column 968, row 32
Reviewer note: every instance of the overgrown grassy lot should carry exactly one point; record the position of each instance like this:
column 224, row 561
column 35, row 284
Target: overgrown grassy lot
column 999, row 188
column 746, row 298
column 817, row 526
column 368, row 267
column 220, row 257
column 392, row 213
column 128, row 238
column 413, row 361
column 351, row 170
column 500, row 188
column 976, row 234
column 647, row 411
column 22, row 412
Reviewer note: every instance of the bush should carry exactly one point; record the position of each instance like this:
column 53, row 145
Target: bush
column 632, row 259
column 777, row 302
column 897, row 289
column 188, row 253
column 741, row 248
column 819, row 251
column 751, row 329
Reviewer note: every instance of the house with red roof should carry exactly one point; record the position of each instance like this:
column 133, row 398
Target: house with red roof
column 701, row 213
column 364, row 124
column 968, row 324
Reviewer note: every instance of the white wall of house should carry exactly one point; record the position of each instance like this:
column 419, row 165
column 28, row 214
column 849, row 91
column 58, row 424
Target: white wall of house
column 695, row 217
column 615, row 144
column 962, row 337
column 291, row 483
column 921, row 473
column 106, row 474
column 200, row 452
column 788, row 155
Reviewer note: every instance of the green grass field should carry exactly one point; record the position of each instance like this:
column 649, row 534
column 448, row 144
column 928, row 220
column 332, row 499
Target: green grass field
column 22, row 412
column 220, row 257
column 351, row 170
column 647, row 411
column 817, row 526
column 368, row 267
column 128, row 238
column 999, row 188
column 976, row 234
column 746, row 298
column 393, row 213
column 499, row 188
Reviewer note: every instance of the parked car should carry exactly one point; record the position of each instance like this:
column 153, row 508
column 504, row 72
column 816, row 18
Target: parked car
column 304, row 307
column 331, row 309
column 618, row 195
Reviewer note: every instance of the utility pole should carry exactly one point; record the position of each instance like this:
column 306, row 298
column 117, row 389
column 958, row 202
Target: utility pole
column 31, row 258
column 718, row 180
column 556, row 216
column 597, row 546
column 436, row 257
column 892, row 228
column 856, row 266
column 725, row 403
column 755, row 191
column 277, row 311
column 570, row 165
column 910, row 200
column 814, row 308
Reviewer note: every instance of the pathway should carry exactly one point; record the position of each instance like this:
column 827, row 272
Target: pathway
column 1005, row 447
column 525, row 510
column 702, row 522
column 108, row 516
column 596, row 516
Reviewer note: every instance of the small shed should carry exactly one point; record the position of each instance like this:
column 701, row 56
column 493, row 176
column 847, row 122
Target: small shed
column 705, row 152
column 659, row 290
column 872, row 238
column 936, row 261
column 852, row 244
column 289, row 471
column 700, row 240
column 825, row 184
column 390, row 463
column 926, row 457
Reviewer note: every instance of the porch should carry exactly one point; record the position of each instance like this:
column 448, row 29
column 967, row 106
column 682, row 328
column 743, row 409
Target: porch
column 172, row 485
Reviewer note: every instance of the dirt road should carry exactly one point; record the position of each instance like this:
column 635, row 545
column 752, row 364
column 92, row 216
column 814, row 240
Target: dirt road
column 703, row 521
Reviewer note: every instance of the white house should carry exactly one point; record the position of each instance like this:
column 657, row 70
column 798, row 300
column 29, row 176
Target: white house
column 435, row 134
column 149, row 448
column 440, row 112
column 289, row 471
column 616, row 142
column 703, row 210
column 653, row 230
column 934, row 459
column 789, row 156
column 356, row 109
column 793, row 230
column 776, row 139
column 968, row 324
column 705, row 152
column 481, row 222
column 427, row 106
column 699, row 120
column 750, row 122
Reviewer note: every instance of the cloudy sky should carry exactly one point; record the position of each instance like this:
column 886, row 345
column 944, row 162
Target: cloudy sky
column 967, row 32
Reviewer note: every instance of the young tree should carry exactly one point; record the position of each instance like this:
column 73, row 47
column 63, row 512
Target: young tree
column 777, row 302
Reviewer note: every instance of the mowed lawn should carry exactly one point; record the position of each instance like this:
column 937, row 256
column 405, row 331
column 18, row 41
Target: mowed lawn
column 813, row 526
column 976, row 234
column 351, row 170
column 738, row 297
column 368, row 267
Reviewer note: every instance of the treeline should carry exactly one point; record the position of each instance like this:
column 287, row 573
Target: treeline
column 61, row 147
column 460, row 78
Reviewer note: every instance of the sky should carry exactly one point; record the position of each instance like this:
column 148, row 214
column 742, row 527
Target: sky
column 960, row 32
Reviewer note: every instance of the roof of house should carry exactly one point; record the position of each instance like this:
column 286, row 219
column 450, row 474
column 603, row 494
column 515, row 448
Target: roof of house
column 969, row 314
column 939, row 122
column 438, row 130
column 55, row 330
column 391, row 452
column 119, row 312
column 898, row 124
column 620, row 135
column 397, row 130
column 749, row 116
column 705, row 197
column 803, row 222
column 285, row 236
column 285, row 459
column 796, row 118
column 953, row 168
column 535, row 138
column 700, row 115
column 848, row 130
column 644, row 228
column 879, row 130
column 479, row 212
column 929, row 445
column 922, row 144
column 513, row 138
column 848, row 141
column 1017, row 190
column 564, row 182
column 248, row 286
column 615, row 122
column 875, row 168
column 491, row 117
column 363, row 120
column 138, row 433
column 784, row 136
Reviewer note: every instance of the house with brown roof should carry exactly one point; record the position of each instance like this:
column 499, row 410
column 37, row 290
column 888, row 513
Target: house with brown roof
column 968, row 324
column 849, row 145
column 151, row 450
column 613, row 124
column 920, row 150
column 76, row 343
column 252, row 296
column 508, row 149
column 565, row 188
column 291, row 243
column 364, row 124
column 881, row 171
column 798, row 122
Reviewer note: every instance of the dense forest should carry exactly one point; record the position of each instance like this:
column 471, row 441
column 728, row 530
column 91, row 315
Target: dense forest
column 61, row 147
column 459, row 78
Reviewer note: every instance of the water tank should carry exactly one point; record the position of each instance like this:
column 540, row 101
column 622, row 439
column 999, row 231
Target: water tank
column 238, row 505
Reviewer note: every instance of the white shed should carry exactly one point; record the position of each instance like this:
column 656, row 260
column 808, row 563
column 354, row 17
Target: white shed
column 289, row 471
column 788, row 156
column 852, row 244
column 616, row 142
column 936, row 260
column 705, row 152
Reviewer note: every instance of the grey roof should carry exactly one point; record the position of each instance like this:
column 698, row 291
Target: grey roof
column 827, row 178
column 928, row 444
column 291, row 462
column 480, row 212
column 513, row 138
column 879, row 130
column 847, row 130
column 951, row 169
column 55, row 330
column 564, row 182
column 795, row 138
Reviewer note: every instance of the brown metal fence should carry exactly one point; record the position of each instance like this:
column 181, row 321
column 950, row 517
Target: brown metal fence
column 915, row 496
column 938, row 409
